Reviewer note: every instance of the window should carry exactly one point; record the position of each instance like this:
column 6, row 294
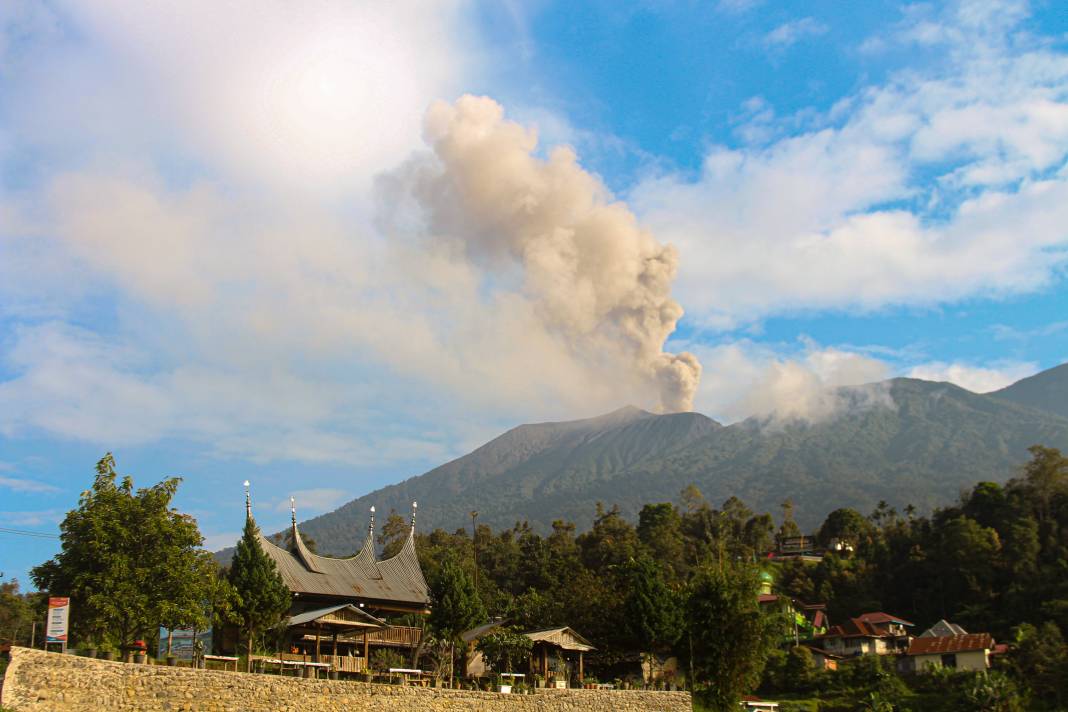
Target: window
column 949, row 660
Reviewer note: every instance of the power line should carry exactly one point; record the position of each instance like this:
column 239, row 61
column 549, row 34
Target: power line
column 23, row 532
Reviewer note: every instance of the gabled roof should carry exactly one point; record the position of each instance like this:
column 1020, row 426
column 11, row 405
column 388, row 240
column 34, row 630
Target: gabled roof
column 856, row 628
column 943, row 628
column 824, row 653
column 363, row 619
column 880, row 618
column 937, row 645
column 565, row 638
column 395, row 580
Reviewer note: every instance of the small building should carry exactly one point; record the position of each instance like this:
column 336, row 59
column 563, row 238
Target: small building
column 956, row 652
column 823, row 659
column 557, row 653
column 803, row 548
column 867, row 634
column 562, row 643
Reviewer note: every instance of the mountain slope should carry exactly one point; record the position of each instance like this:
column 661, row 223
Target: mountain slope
column 917, row 443
column 1047, row 390
column 532, row 472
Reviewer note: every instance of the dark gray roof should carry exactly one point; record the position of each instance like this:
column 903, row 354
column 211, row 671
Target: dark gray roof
column 943, row 628
column 395, row 580
column 479, row 631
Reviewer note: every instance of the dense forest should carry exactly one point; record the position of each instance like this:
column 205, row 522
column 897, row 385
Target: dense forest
column 997, row 561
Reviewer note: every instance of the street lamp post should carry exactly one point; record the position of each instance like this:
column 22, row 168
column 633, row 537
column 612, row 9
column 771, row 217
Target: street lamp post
column 474, row 544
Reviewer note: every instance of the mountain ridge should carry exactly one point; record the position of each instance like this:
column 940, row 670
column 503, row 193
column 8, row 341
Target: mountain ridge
column 913, row 442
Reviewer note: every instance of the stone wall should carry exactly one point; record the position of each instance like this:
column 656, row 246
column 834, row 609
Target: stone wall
column 49, row 682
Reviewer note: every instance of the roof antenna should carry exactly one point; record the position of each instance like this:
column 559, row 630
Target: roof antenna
column 293, row 510
column 248, row 502
column 415, row 505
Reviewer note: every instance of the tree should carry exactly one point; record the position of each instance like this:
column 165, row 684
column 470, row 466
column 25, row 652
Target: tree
column 262, row 597
column 456, row 605
column 730, row 634
column 1042, row 657
column 845, row 524
column 651, row 608
column 17, row 613
column 127, row 560
column 504, row 648
column 660, row 531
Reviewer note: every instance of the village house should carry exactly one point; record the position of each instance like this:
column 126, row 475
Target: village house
column 955, row 652
column 806, row 620
column 868, row 634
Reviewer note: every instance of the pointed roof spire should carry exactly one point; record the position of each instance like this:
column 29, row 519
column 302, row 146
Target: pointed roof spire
column 293, row 510
column 371, row 526
column 415, row 505
column 248, row 501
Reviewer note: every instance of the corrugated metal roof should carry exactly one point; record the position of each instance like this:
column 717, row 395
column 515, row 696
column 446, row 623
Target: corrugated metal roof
column 950, row 644
column 398, row 579
column 880, row 618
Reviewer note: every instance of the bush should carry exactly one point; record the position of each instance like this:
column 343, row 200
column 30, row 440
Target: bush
column 385, row 658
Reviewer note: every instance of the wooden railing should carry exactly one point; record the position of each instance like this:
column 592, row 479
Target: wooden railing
column 401, row 636
column 345, row 663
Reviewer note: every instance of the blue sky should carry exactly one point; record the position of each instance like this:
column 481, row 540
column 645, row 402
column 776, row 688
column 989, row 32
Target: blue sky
column 245, row 242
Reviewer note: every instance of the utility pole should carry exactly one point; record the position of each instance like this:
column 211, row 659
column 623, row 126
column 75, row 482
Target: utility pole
column 33, row 634
column 474, row 544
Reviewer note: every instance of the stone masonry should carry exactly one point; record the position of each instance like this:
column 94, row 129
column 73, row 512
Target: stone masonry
column 49, row 682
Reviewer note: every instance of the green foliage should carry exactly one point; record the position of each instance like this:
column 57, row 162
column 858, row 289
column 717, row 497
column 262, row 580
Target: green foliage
column 731, row 635
column 18, row 611
column 652, row 610
column 262, row 598
column 382, row 659
column 1041, row 658
column 456, row 605
column 505, row 650
column 128, row 561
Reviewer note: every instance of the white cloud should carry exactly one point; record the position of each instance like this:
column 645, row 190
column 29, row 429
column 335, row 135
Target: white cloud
column 738, row 6
column 790, row 33
column 315, row 98
column 845, row 215
column 744, row 378
column 19, row 484
column 314, row 501
column 978, row 379
column 222, row 540
column 32, row 518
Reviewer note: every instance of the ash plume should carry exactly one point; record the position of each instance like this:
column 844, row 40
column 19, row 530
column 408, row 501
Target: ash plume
column 596, row 280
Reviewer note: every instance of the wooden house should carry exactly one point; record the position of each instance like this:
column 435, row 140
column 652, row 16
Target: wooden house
column 347, row 601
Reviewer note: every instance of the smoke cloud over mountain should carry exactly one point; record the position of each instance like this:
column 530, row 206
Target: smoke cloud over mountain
column 594, row 280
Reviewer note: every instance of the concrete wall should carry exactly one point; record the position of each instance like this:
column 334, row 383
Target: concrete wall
column 970, row 660
column 50, row 682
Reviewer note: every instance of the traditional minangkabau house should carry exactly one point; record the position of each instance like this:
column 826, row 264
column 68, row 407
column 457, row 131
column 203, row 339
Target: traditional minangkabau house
column 344, row 603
